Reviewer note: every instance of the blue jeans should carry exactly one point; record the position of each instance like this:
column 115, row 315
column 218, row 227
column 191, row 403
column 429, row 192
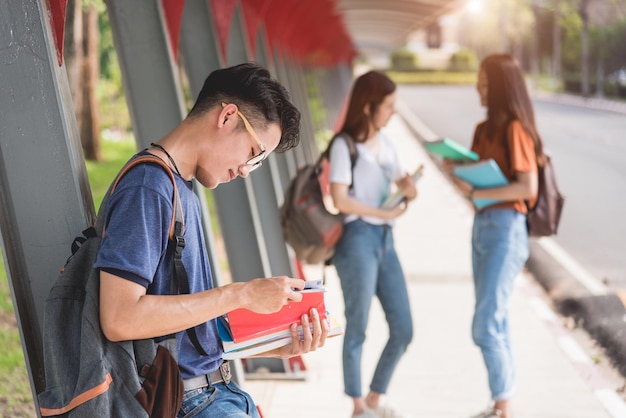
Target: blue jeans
column 218, row 401
column 499, row 251
column 367, row 265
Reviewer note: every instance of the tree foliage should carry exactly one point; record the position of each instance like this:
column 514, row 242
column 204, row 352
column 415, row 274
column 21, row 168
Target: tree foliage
column 83, row 71
column 527, row 30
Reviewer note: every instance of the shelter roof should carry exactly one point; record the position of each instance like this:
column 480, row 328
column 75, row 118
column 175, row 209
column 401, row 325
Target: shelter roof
column 386, row 24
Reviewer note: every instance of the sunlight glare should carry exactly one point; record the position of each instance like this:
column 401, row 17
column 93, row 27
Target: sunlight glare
column 474, row 6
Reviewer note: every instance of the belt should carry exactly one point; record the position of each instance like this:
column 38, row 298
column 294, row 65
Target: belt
column 222, row 374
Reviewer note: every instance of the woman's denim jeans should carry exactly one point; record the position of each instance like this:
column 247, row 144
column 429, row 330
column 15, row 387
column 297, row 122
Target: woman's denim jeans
column 218, row 401
column 499, row 251
column 367, row 265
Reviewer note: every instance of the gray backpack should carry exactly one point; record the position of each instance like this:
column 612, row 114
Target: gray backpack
column 308, row 227
column 86, row 374
column 542, row 219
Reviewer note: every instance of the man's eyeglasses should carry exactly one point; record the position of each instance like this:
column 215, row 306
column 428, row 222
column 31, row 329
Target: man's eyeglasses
column 256, row 161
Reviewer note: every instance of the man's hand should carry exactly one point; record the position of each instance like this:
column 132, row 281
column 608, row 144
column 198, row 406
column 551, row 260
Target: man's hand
column 270, row 294
column 314, row 333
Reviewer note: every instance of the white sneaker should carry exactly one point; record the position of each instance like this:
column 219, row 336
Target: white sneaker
column 368, row 413
column 490, row 412
column 387, row 412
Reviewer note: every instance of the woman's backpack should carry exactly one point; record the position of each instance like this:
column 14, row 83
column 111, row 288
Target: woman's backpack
column 309, row 227
column 544, row 217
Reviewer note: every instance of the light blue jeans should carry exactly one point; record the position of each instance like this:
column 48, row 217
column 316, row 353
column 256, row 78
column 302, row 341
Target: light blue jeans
column 499, row 251
column 367, row 265
column 218, row 401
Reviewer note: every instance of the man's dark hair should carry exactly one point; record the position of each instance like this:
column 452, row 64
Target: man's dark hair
column 262, row 99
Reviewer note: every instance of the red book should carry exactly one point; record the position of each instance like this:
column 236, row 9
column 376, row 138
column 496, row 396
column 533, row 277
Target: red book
column 257, row 346
column 245, row 324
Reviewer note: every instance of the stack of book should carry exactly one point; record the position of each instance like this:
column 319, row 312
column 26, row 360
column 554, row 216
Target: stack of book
column 480, row 174
column 245, row 333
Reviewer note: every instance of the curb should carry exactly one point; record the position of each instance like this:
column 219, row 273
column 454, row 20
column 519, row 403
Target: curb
column 601, row 314
column 602, row 317
column 596, row 103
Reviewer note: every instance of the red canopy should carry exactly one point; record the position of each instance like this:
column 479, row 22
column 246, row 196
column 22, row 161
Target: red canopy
column 310, row 31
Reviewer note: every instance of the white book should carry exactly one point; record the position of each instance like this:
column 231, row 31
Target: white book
column 253, row 350
column 246, row 349
column 398, row 197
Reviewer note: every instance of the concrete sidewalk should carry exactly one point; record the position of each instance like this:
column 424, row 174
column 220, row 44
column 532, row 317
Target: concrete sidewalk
column 442, row 373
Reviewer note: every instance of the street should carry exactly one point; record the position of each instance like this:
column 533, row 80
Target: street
column 588, row 151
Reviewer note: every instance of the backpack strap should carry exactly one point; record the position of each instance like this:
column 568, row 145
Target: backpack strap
column 354, row 153
column 180, row 280
column 352, row 149
column 505, row 143
column 177, row 213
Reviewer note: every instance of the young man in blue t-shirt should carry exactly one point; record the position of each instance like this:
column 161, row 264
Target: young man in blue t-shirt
column 239, row 118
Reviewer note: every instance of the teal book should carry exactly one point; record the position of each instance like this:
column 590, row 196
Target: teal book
column 482, row 175
column 447, row 148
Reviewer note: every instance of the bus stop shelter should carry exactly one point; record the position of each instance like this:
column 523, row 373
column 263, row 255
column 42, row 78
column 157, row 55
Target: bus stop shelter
column 45, row 198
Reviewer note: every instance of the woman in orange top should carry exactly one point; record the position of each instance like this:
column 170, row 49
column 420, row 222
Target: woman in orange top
column 499, row 236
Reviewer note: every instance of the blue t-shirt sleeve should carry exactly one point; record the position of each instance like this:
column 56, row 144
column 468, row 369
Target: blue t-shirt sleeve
column 137, row 224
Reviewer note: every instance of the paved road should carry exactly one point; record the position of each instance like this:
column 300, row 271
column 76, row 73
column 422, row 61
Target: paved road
column 589, row 151
column 442, row 373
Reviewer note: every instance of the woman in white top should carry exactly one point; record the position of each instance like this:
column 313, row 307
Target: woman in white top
column 365, row 257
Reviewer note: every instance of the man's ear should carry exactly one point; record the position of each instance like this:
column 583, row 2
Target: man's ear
column 227, row 112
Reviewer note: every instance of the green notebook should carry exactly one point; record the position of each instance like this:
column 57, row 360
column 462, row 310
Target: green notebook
column 447, row 148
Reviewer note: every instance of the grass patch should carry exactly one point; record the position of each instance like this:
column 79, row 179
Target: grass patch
column 433, row 77
column 112, row 105
column 6, row 304
column 13, row 358
column 16, row 399
column 116, row 153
